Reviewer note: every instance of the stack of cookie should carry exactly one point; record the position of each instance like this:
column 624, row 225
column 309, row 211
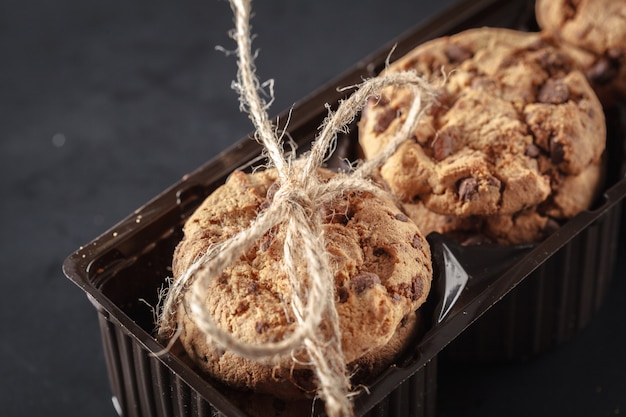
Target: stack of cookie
column 512, row 147
column 382, row 274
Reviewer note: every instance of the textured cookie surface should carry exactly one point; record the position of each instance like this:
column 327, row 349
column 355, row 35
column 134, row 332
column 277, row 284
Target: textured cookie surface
column 382, row 274
column 596, row 26
column 513, row 122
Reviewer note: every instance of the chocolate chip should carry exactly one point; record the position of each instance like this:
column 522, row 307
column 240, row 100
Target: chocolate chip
column 241, row 308
column 417, row 242
column 261, row 327
column 468, row 187
column 557, row 151
column 380, row 252
column 532, row 151
column 443, row 145
column 384, row 119
column 343, row 294
column 363, row 281
column 457, row 53
column 401, row 217
column 553, row 92
column 411, row 291
column 417, row 287
column 493, row 182
column 253, row 288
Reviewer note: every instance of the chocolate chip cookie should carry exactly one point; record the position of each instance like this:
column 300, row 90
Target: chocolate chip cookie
column 382, row 274
column 513, row 120
column 597, row 27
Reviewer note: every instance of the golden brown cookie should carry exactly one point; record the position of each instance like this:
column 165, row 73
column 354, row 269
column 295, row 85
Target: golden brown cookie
column 525, row 226
column 595, row 26
column 382, row 270
column 513, row 120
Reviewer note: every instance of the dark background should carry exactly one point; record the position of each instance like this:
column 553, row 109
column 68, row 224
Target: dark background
column 105, row 104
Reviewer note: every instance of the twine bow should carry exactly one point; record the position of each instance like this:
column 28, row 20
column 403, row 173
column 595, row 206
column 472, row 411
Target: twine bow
column 297, row 205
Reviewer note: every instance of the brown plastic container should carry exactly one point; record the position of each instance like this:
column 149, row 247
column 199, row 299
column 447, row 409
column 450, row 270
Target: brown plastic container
column 121, row 271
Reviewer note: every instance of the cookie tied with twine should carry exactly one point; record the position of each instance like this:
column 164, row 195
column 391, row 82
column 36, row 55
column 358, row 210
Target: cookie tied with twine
column 296, row 207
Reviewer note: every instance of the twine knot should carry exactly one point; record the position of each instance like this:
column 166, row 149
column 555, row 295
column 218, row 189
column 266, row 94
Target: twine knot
column 295, row 193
